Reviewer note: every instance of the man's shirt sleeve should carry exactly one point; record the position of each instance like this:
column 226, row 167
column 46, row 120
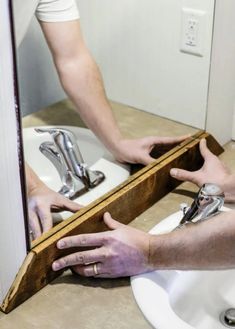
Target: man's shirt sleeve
column 57, row 10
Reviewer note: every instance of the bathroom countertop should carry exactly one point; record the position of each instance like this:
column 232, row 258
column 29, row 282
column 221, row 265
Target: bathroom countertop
column 86, row 303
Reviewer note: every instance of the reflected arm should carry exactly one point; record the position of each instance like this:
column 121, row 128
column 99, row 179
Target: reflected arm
column 82, row 81
column 32, row 180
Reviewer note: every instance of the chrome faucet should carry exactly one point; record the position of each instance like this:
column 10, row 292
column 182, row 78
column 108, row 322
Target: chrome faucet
column 207, row 203
column 65, row 155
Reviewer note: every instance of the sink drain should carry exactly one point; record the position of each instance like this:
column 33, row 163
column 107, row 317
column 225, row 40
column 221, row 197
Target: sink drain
column 227, row 318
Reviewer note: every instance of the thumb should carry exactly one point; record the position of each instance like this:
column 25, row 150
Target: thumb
column 183, row 175
column 110, row 222
column 205, row 152
column 147, row 159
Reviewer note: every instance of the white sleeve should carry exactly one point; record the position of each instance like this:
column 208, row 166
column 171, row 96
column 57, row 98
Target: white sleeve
column 57, row 10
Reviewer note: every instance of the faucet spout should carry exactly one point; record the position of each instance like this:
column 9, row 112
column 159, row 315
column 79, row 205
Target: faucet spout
column 65, row 155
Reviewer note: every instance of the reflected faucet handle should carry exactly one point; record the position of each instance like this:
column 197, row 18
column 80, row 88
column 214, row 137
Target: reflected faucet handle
column 46, row 130
column 66, row 144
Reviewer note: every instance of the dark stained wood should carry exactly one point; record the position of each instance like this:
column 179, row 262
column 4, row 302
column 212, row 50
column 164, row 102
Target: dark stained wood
column 125, row 203
column 137, row 174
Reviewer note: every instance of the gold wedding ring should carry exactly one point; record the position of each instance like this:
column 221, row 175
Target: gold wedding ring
column 95, row 269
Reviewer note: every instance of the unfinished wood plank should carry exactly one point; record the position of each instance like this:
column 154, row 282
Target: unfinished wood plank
column 125, row 204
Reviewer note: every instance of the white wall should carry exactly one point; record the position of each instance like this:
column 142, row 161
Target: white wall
column 136, row 44
column 39, row 85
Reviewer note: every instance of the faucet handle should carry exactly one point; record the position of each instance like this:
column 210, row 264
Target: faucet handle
column 63, row 139
column 208, row 202
column 57, row 131
column 46, row 130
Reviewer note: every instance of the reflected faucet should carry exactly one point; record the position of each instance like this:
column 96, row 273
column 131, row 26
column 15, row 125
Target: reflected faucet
column 207, row 203
column 65, row 155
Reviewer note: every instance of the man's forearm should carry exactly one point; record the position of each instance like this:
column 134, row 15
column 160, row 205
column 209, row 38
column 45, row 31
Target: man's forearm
column 81, row 79
column 83, row 83
column 206, row 245
column 32, row 180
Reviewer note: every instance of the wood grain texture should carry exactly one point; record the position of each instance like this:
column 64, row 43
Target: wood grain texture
column 125, row 203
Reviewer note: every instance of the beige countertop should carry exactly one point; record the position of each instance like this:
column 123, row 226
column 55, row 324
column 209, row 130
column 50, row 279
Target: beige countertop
column 86, row 303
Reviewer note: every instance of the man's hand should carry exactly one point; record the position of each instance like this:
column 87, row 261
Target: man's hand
column 123, row 251
column 212, row 171
column 41, row 201
column 138, row 150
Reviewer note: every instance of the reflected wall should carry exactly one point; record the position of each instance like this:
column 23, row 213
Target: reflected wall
column 137, row 46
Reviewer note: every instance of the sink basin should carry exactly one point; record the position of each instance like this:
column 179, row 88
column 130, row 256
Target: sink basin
column 184, row 299
column 94, row 155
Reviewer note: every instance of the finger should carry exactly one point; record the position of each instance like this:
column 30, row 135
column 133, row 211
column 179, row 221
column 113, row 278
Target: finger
column 205, row 152
column 79, row 258
column 82, row 240
column 146, row 159
column 110, row 222
column 184, row 175
column 45, row 218
column 34, row 224
column 67, row 204
column 88, row 270
column 169, row 140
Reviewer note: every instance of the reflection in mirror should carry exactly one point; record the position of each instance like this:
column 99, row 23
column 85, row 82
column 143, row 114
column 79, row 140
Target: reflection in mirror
column 143, row 65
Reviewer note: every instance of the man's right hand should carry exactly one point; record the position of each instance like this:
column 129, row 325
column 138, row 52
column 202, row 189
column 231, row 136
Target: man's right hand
column 212, row 171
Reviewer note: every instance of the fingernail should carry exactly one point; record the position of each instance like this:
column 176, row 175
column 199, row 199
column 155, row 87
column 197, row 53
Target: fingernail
column 173, row 172
column 61, row 244
column 55, row 266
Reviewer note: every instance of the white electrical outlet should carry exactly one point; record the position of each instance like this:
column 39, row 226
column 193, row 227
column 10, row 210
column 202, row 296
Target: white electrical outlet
column 192, row 31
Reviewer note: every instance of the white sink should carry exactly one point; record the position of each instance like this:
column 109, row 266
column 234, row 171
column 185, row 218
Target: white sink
column 94, row 155
column 184, row 299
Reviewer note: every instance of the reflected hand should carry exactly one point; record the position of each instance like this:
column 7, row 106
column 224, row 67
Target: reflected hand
column 123, row 251
column 138, row 150
column 41, row 201
column 212, row 171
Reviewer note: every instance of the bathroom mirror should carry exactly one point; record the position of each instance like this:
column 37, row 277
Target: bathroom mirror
column 31, row 268
column 155, row 76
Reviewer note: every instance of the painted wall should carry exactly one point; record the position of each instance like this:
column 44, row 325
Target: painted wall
column 39, row 85
column 136, row 45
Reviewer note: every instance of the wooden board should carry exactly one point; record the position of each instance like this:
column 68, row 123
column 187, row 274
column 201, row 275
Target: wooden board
column 125, row 203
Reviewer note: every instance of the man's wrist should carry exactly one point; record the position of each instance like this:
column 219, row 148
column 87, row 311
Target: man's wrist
column 155, row 258
column 228, row 187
